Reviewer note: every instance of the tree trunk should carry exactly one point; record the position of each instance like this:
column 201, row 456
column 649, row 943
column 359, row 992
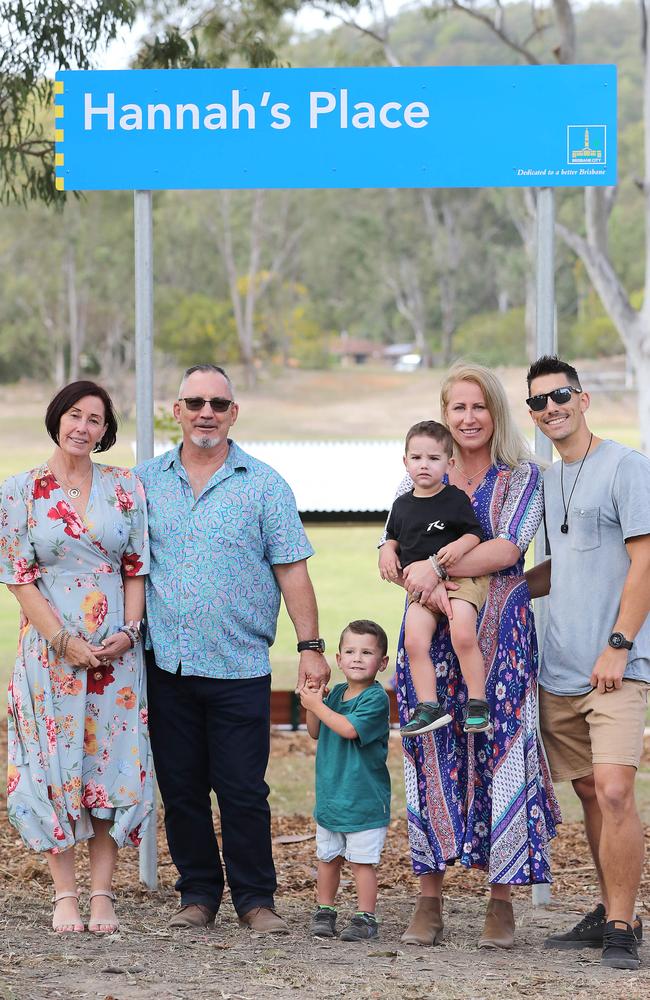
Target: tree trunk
column 445, row 247
column 242, row 311
column 526, row 225
column 641, row 362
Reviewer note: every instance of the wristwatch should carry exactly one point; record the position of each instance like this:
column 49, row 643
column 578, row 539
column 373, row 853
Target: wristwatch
column 318, row 645
column 618, row 641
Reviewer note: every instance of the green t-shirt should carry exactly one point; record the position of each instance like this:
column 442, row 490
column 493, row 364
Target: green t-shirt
column 352, row 780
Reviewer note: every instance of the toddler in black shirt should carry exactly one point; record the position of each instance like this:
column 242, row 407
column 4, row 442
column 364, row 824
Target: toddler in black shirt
column 436, row 520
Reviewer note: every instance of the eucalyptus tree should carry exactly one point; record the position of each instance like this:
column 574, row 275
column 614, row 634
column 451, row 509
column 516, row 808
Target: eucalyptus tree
column 36, row 38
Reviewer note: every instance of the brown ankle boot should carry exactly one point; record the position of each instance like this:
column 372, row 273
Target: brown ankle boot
column 426, row 923
column 499, row 928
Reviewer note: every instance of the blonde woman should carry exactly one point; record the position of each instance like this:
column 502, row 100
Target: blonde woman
column 484, row 800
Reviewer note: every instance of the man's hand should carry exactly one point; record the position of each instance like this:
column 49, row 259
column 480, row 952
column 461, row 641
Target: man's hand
column 311, row 697
column 390, row 568
column 313, row 669
column 608, row 671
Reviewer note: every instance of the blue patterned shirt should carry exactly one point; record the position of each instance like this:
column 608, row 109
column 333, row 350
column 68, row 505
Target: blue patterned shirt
column 212, row 597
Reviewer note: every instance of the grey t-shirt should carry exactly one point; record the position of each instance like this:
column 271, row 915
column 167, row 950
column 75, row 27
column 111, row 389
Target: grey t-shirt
column 610, row 503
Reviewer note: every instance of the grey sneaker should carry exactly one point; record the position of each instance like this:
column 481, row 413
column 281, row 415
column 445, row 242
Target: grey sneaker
column 425, row 719
column 362, row 927
column 323, row 922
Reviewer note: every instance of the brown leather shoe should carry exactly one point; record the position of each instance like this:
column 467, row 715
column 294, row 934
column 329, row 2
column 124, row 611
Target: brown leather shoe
column 193, row 915
column 264, row 920
column 426, row 923
column 499, row 928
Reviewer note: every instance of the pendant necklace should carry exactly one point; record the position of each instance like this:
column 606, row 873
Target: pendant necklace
column 74, row 492
column 564, row 527
column 470, row 479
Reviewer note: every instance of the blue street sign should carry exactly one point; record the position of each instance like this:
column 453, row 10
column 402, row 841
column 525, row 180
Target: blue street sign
column 495, row 126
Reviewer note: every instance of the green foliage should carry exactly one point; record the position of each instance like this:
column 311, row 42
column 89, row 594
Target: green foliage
column 591, row 338
column 308, row 343
column 23, row 349
column 493, row 338
column 248, row 32
column 36, row 35
column 166, row 428
column 195, row 326
column 593, row 334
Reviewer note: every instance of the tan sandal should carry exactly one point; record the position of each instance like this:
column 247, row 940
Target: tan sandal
column 95, row 925
column 77, row 927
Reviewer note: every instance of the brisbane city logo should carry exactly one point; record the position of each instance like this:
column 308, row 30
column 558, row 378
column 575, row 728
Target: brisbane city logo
column 587, row 145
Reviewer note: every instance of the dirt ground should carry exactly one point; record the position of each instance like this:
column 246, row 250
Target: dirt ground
column 146, row 960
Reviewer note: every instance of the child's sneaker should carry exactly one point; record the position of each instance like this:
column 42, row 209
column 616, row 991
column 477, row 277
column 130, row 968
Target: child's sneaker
column 323, row 922
column 426, row 717
column 362, row 927
column 477, row 716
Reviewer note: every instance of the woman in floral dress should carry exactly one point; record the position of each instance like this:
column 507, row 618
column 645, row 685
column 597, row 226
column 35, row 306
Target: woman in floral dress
column 485, row 800
column 74, row 551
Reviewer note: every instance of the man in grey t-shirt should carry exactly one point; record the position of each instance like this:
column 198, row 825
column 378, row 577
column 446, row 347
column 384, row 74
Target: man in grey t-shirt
column 595, row 670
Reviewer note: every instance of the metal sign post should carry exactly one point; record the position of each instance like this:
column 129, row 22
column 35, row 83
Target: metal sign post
column 546, row 343
column 143, row 240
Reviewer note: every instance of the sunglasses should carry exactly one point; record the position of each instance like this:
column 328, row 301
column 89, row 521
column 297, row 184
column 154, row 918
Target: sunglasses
column 559, row 396
column 217, row 404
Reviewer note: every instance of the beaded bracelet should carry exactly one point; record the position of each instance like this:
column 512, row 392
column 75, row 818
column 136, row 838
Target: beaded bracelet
column 132, row 633
column 54, row 640
column 440, row 570
column 63, row 649
column 59, row 642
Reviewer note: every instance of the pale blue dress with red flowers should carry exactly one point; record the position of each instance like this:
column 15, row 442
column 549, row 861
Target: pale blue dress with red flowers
column 486, row 799
column 78, row 740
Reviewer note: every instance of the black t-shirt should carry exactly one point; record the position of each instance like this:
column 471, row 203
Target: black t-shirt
column 423, row 525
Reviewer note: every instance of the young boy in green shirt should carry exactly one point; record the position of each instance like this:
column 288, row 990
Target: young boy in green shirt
column 352, row 809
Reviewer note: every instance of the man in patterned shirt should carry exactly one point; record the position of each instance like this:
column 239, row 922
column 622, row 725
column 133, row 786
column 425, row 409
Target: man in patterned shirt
column 226, row 541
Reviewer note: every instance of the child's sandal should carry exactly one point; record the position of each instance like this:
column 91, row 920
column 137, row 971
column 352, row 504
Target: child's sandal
column 103, row 926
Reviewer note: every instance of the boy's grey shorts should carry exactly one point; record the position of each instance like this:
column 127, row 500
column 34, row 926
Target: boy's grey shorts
column 363, row 847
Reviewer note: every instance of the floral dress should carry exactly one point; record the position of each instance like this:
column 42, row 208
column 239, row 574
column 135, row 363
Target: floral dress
column 78, row 743
column 486, row 800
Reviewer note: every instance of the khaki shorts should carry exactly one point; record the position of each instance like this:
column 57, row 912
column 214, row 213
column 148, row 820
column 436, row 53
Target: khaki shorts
column 472, row 589
column 581, row 730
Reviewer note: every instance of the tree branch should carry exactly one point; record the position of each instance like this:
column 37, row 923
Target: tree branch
column 498, row 28
column 371, row 32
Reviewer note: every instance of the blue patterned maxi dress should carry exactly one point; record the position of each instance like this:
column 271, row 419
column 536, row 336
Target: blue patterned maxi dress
column 78, row 739
column 486, row 801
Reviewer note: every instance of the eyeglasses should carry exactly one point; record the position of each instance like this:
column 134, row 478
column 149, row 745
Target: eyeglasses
column 559, row 396
column 218, row 404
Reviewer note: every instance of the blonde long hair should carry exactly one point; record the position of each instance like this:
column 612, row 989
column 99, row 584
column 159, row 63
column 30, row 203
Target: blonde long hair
column 508, row 445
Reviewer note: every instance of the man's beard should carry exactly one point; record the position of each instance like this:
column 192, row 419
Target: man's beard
column 202, row 441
